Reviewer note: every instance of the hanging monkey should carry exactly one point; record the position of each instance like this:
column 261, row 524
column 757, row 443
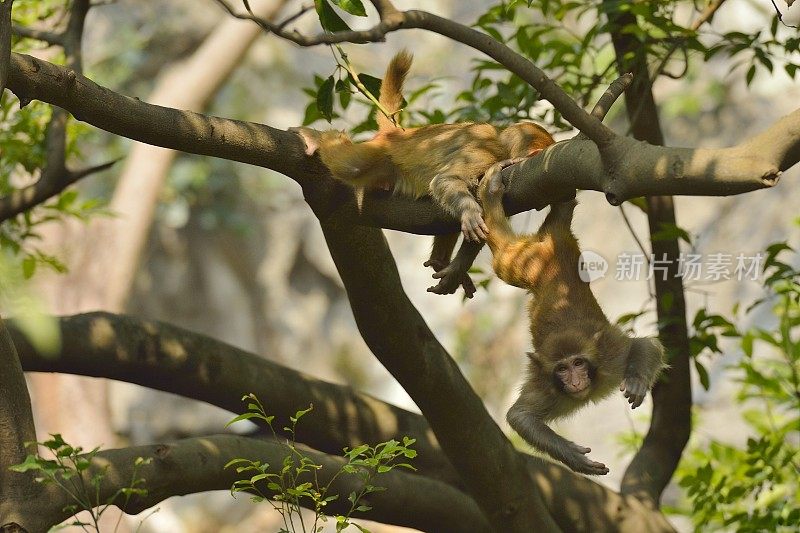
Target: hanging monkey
column 443, row 160
column 578, row 356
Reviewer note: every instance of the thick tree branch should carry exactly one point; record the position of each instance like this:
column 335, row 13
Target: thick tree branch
column 167, row 358
column 653, row 465
column 5, row 42
column 635, row 168
column 260, row 145
column 491, row 469
column 164, row 357
column 195, row 465
column 16, row 429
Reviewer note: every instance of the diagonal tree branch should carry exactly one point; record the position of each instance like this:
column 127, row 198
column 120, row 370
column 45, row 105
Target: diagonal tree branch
column 400, row 339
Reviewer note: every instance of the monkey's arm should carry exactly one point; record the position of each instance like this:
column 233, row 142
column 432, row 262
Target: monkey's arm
column 645, row 362
column 452, row 193
column 540, row 436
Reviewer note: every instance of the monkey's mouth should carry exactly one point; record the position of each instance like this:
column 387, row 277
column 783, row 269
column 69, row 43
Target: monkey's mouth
column 579, row 392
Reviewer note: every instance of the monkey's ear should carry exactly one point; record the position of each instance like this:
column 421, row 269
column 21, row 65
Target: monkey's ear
column 534, row 361
column 311, row 138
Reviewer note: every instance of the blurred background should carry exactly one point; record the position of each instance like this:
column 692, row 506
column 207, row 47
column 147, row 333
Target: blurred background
column 232, row 251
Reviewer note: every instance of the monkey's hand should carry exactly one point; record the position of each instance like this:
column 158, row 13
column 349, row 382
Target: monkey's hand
column 472, row 225
column 450, row 277
column 574, row 456
column 494, row 179
column 635, row 389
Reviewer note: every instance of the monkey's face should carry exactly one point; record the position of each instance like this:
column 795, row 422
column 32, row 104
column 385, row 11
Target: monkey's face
column 573, row 375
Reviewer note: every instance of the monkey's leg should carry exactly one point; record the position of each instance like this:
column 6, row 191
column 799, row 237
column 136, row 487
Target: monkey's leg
column 559, row 219
column 442, row 251
column 456, row 272
column 491, row 193
column 452, row 193
column 540, row 436
column 515, row 257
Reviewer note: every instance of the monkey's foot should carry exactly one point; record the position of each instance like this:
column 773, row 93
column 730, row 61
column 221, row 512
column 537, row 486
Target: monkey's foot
column 635, row 390
column 575, row 458
column 493, row 178
column 450, row 277
column 472, row 225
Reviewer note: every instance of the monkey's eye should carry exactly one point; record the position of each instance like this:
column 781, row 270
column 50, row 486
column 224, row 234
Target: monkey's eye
column 561, row 368
column 578, row 363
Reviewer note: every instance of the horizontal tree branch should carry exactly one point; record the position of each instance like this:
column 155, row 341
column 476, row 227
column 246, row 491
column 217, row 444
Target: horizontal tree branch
column 194, row 465
column 628, row 168
column 164, row 357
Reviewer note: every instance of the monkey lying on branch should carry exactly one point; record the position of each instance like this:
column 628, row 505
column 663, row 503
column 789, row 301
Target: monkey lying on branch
column 578, row 356
column 443, row 160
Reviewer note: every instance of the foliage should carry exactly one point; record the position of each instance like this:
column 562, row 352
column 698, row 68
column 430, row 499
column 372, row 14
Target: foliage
column 69, row 470
column 297, row 482
column 23, row 151
column 755, row 488
column 569, row 41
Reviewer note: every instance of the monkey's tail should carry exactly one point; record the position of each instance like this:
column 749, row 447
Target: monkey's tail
column 391, row 97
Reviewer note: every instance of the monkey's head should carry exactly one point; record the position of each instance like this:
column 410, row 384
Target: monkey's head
column 525, row 139
column 574, row 376
column 314, row 139
column 569, row 359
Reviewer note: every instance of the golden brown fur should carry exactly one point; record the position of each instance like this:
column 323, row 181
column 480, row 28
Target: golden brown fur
column 566, row 324
column 443, row 160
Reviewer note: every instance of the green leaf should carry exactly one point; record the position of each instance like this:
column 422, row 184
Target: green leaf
column 354, row 7
column 328, row 18
column 325, row 98
column 702, row 373
column 751, row 72
column 32, row 462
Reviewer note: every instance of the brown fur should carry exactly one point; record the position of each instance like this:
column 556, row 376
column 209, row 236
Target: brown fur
column 443, row 160
column 565, row 321
column 413, row 159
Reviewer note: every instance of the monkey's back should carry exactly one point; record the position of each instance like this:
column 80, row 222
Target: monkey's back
column 464, row 150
